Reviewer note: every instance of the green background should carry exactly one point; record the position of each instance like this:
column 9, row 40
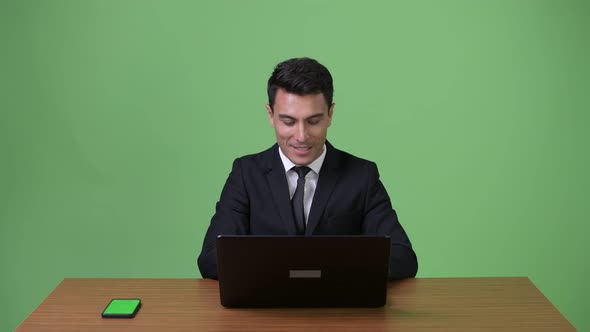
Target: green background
column 120, row 119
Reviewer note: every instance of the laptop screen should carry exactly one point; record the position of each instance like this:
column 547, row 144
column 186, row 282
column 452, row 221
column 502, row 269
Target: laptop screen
column 314, row 271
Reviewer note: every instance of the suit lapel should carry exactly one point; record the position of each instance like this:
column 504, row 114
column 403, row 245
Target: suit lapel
column 329, row 175
column 277, row 181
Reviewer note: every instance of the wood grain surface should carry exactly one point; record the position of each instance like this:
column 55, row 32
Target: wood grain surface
column 423, row 304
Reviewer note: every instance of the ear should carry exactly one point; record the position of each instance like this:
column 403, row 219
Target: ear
column 270, row 115
column 330, row 113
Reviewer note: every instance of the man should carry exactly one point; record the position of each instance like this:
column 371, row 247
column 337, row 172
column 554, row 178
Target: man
column 303, row 185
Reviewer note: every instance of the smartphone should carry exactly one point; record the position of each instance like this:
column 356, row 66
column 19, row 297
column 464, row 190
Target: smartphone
column 121, row 308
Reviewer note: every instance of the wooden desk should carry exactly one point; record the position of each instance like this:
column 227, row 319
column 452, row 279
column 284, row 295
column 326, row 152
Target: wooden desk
column 441, row 304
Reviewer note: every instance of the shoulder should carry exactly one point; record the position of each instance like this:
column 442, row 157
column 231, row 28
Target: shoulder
column 261, row 160
column 340, row 158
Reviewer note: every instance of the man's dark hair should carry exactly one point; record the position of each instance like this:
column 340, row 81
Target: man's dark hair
column 301, row 76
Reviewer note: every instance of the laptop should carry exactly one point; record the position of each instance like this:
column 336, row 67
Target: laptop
column 303, row 271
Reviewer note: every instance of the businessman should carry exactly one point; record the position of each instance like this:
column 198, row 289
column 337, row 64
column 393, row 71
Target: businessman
column 303, row 185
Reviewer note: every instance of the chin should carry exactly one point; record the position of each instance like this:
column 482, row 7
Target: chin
column 299, row 161
column 307, row 160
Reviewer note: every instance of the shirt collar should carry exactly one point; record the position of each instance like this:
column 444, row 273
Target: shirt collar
column 315, row 165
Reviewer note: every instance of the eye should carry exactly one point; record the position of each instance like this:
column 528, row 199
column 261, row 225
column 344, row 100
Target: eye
column 313, row 122
column 288, row 123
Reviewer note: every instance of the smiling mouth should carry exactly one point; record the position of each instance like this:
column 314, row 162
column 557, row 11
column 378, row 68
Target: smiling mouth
column 301, row 148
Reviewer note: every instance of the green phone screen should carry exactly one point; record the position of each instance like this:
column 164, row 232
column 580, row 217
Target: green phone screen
column 121, row 308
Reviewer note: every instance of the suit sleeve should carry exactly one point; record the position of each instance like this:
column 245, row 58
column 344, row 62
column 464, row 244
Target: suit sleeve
column 231, row 218
column 380, row 219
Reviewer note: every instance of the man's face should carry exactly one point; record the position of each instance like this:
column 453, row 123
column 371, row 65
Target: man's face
column 301, row 124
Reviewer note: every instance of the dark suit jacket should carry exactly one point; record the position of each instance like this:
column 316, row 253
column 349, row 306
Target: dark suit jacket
column 349, row 199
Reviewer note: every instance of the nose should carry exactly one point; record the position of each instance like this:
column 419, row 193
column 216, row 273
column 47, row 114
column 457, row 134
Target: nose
column 301, row 132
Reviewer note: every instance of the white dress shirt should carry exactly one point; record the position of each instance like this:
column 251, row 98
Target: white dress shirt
column 311, row 179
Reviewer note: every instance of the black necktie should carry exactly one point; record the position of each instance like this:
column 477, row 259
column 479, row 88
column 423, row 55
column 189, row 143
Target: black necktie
column 297, row 200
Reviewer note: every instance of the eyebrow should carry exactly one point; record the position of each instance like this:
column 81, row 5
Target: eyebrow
column 288, row 117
